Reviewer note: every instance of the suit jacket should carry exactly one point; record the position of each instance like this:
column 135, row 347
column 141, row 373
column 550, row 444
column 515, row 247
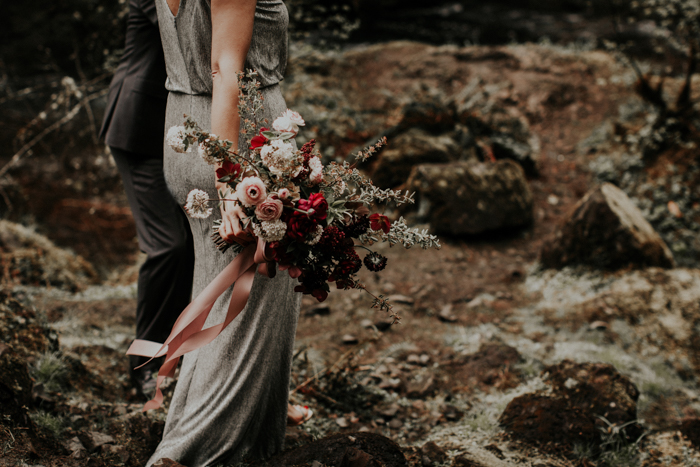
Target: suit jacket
column 135, row 115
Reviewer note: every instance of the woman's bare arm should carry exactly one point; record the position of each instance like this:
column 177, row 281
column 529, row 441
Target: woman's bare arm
column 232, row 31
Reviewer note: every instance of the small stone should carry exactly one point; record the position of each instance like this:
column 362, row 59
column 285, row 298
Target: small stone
column 366, row 323
column 403, row 299
column 349, row 339
column 384, row 324
column 599, row 325
column 424, row 359
column 421, row 388
column 446, row 314
column 452, row 413
column 342, row 422
column 413, row 358
column 390, row 383
column 433, row 452
column 395, row 424
column 120, row 451
column 97, row 439
column 389, row 412
column 76, row 448
column 316, row 464
column 165, row 462
column 318, row 310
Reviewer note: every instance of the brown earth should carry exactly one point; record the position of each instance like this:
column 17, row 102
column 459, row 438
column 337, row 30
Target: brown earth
column 479, row 322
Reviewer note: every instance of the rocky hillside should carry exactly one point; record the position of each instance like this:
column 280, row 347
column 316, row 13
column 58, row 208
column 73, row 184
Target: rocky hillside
column 557, row 326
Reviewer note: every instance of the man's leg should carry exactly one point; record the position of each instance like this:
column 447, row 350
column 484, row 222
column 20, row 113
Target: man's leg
column 165, row 278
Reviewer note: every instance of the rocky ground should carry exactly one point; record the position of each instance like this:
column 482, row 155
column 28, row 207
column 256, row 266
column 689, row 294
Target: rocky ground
column 497, row 361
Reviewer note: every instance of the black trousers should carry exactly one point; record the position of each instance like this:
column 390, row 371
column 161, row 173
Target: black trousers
column 165, row 279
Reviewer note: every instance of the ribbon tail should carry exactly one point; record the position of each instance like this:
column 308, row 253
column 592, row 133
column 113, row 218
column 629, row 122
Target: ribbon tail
column 190, row 336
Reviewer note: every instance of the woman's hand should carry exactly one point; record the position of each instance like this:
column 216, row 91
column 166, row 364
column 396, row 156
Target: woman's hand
column 232, row 221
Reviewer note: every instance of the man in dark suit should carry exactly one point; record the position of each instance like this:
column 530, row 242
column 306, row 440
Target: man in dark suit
column 133, row 128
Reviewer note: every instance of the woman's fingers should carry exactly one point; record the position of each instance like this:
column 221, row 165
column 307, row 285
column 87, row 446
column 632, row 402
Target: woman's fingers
column 232, row 222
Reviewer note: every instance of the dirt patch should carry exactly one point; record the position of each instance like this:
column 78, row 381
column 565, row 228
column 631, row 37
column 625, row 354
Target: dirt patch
column 344, row 449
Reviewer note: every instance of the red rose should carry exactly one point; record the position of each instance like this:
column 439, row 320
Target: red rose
column 316, row 202
column 230, row 169
column 258, row 141
column 299, row 225
column 379, row 222
column 278, row 252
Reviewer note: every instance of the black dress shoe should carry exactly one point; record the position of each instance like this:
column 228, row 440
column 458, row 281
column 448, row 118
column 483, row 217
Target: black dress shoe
column 144, row 381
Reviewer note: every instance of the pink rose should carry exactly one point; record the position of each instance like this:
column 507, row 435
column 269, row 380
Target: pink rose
column 289, row 122
column 269, row 210
column 251, row 191
column 284, row 193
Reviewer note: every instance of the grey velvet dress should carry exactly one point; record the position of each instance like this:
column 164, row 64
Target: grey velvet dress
column 231, row 395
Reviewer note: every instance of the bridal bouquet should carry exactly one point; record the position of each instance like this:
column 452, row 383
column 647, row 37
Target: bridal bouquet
column 314, row 219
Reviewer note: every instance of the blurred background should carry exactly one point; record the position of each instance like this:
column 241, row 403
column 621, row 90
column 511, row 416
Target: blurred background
column 552, row 146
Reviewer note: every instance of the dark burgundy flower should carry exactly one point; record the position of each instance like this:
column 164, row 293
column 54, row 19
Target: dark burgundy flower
column 318, row 203
column 345, row 283
column 357, row 226
column 228, row 169
column 319, row 294
column 375, row 262
column 347, row 266
column 307, row 149
column 278, row 252
column 299, row 225
column 313, row 282
column 259, row 141
column 380, row 222
column 332, row 239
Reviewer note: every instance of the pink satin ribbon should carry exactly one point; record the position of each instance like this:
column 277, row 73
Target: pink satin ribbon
column 188, row 333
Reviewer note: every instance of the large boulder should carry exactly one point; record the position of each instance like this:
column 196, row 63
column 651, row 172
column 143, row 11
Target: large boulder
column 607, row 231
column 344, row 450
column 495, row 123
column 466, row 198
column 582, row 400
column 32, row 259
column 15, row 386
column 415, row 146
column 21, row 328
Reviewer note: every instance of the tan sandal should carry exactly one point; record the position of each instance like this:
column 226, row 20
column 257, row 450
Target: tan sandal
column 307, row 413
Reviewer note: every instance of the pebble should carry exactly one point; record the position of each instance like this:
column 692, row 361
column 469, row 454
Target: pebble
column 320, row 310
column 342, row 422
column 397, row 298
column 395, row 423
column 446, row 314
column 349, row 339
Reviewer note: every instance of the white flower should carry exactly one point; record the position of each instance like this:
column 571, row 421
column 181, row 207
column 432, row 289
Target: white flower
column 316, row 175
column 277, row 156
column 205, row 153
column 294, row 117
column 270, row 231
column 339, row 188
column 176, row 139
column 198, row 204
column 289, row 122
column 315, row 237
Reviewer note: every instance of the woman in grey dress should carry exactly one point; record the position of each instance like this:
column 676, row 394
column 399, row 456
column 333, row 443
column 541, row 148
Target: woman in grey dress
column 231, row 395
